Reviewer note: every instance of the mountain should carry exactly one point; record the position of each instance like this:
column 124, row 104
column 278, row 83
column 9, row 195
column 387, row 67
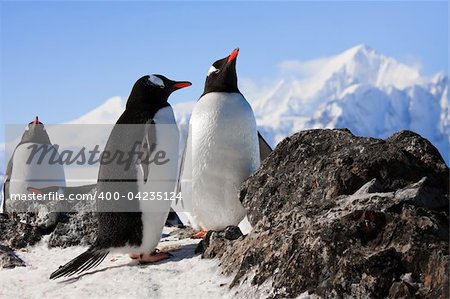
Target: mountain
column 107, row 113
column 363, row 90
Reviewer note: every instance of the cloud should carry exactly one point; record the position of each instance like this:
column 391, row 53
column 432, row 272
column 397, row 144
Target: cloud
column 303, row 68
column 412, row 61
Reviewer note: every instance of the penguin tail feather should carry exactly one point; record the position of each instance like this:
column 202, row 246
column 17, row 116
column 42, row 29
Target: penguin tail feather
column 85, row 261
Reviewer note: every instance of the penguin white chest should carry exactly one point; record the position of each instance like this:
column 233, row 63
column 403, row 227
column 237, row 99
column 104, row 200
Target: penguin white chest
column 225, row 151
column 161, row 179
column 35, row 164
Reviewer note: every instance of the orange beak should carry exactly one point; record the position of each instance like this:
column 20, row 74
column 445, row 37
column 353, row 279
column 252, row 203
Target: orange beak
column 233, row 55
column 181, row 84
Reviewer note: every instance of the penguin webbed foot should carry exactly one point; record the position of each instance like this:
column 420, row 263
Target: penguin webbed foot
column 155, row 256
column 33, row 190
column 200, row 235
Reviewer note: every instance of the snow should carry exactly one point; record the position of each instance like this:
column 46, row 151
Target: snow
column 107, row 113
column 183, row 275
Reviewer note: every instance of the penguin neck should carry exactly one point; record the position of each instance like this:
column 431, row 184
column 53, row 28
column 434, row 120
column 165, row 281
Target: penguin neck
column 143, row 106
column 223, row 82
column 225, row 89
column 39, row 138
column 139, row 114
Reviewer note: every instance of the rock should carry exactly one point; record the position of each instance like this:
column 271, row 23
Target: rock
column 19, row 230
column 370, row 187
column 319, row 165
column 185, row 232
column 42, row 214
column 45, row 219
column 8, row 259
column 401, row 290
column 232, row 233
column 344, row 216
column 16, row 233
column 77, row 228
column 214, row 242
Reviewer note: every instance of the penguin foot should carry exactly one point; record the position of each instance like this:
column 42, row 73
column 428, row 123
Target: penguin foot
column 34, row 190
column 153, row 257
column 134, row 255
column 200, row 235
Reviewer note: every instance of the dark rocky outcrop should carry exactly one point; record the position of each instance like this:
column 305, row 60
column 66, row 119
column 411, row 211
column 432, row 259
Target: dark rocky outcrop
column 215, row 241
column 17, row 233
column 8, row 259
column 342, row 216
column 76, row 228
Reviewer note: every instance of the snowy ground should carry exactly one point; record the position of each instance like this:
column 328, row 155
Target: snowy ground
column 185, row 275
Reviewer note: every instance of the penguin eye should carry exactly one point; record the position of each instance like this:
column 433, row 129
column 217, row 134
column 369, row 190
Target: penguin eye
column 211, row 70
column 156, row 81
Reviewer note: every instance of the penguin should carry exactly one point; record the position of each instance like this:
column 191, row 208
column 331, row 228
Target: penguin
column 135, row 226
column 223, row 149
column 26, row 168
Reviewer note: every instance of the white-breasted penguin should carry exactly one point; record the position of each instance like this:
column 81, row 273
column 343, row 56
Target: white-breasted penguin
column 28, row 168
column 135, row 226
column 223, row 149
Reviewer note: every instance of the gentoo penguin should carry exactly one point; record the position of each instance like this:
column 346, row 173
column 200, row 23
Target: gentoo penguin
column 128, row 226
column 27, row 167
column 222, row 150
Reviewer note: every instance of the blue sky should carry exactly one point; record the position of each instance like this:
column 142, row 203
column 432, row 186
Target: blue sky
column 60, row 60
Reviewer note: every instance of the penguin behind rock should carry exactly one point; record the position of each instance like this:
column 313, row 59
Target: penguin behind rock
column 27, row 167
column 222, row 150
column 136, row 225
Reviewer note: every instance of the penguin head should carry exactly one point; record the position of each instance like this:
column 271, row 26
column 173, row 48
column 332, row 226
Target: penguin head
column 35, row 133
column 153, row 91
column 222, row 75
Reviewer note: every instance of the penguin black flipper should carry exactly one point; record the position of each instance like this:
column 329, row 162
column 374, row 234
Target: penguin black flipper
column 264, row 147
column 85, row 261
column 148, row 147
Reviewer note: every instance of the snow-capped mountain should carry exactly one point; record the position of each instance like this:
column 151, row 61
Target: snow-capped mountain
column 360, row 89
